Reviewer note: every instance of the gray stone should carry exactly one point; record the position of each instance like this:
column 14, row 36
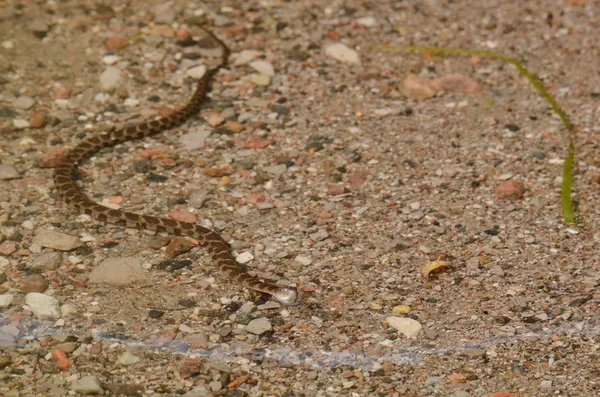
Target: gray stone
column 47, row 261
column 119, row 271
column 56, row 240
column 8, row 172
column 194, row 140
column 23, row 102
column 6, row 299
column 43, row 306
column 110, row 78
column 259, row 326
column 342, row 53
column 87, row 385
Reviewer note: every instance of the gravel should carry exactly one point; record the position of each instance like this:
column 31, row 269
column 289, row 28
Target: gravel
column 325, row 177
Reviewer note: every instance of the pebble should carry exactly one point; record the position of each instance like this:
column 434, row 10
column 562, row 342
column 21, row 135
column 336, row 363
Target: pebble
column 196, row 72
column 21, row 124
column 131, row 102
column 110, row 59
column 6, row 299
column 303, row 260
column 39, row 27
column 37, row 119
column 47, row 261
column 259, row 326
column 110, row 78
column 368, row 22
column 244, row 257
column 263, row 67
column 119, row 271
column 8, row 172
column 56, row 240
column 23, row 102
column 342, row 53
column 34, row 283
column 164, row 13
column 87, row 385
column 407, row 326
column 510, row 189
column 8, row 45
column 319, row 235
column 260, row 80
column 246, row 56
column 44, row 307
column 194, row 140
column 128, row 358
column 473, row 352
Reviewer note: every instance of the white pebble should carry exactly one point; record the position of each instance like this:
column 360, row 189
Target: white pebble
column 196, row 72
column 342, row 53
column 110, row 59
column 244, row 257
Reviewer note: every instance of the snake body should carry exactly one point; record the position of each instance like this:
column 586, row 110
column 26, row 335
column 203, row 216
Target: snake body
column 219, row 250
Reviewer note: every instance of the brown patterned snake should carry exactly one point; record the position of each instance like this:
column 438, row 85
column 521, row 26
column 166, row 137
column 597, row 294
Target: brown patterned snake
column 211, row 241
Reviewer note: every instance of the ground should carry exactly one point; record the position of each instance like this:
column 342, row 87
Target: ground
column 320, row 173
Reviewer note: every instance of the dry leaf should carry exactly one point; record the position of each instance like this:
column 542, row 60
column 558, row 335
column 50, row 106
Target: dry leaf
column 434, row 266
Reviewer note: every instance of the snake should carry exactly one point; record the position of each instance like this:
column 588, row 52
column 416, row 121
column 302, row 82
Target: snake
column 212, row 242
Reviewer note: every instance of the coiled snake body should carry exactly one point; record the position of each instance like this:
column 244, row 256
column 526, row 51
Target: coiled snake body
column 211, row 241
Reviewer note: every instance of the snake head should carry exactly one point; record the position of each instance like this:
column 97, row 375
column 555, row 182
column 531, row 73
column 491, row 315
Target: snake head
column 287, row 296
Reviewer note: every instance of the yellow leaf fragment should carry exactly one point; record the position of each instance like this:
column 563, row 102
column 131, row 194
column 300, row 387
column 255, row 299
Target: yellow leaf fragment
column 433, row 267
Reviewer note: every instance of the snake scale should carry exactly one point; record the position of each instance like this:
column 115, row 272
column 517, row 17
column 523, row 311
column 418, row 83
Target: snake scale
column 219, row 250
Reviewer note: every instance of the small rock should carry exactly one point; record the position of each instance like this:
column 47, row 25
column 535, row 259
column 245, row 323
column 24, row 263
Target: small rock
column 246, row 56
column 196, row 72
column 5, row 300
column 56, row 240
column 87, row 385
column 164, row 13
column 119, row 271
column 342, row 53
column 198, row 197
column 319, row 235
column 414, row 87
column 473, row 352
column 511, row 189
column 8, row 247
column 47, row 261
column 110, row 78
column 244, row 257
column 23, row 102
column 37, row 119
column 34, row 283
column 455, row 83
column 263, row 67
column 368, row 22
column 259, row 326
column 303, row 260
column 194, row 140
column 21, row 124
column 183, row 216
column 260, row 80
column 39, row 28
column 44, row 307
column 116, row 43
column 409, row 327
column 61, row 92
column 128, row 358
